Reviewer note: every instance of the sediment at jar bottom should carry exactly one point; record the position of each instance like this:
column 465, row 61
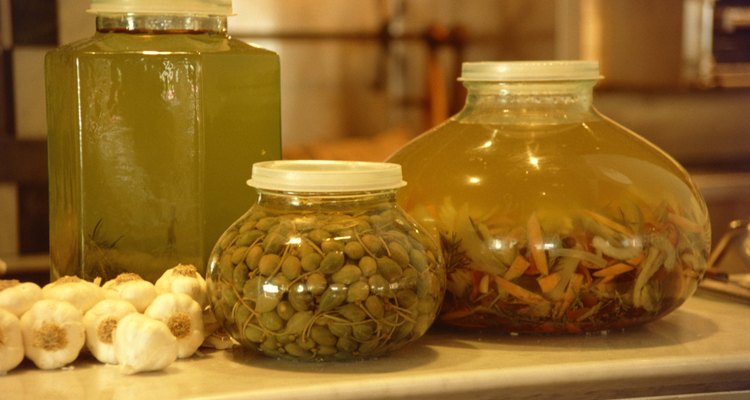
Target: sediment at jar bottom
column 330, row 286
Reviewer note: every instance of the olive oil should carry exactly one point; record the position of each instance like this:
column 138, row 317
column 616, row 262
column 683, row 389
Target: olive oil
column 151, row 137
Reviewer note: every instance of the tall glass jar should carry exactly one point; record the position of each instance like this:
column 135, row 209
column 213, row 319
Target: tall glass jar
column 551, row 217
column 325, row 265
column 152, row 122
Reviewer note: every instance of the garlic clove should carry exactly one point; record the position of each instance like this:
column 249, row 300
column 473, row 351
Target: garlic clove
column 17, row 297
column 101, row 321
column 183, row 316
column 11, row 342
column 131, row 287
column 183, row 278
column 81, row 293
column 53, row 333
column 143, row 344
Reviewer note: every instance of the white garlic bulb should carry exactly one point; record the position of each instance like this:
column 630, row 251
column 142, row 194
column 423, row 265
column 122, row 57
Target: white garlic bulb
column 131, row 287
column 17, row 297
column 183, row 278
column 183, row 316
column 81, row 293
column 101, row 322
column 11, row 342
column 143, row 344
column 53, row 333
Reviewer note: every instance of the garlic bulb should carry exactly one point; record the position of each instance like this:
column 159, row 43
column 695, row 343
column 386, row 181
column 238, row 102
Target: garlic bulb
column 53, row 333
column 183, row 278
column 101, row 321
column 17, row 297
column 183, row 316
column 131, row 287
column 11, row 343
column 81, row 293
column 143, row 344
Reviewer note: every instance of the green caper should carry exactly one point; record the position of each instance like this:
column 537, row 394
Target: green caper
column 266, row 223
column 268, row 264
column 379, row 285
column 352, row 312
column 332, row 262
column 340, row 329
column 300, row 298
column 291, row 267
column 346, row 344
column 333, row 297
column 332, row 245
column 311, row 261
column 274, row 242
column 271, row 320
column 418, row 259
column 253, row 256
column 389, row 269
column 347, row 274
column 227, row 239
column 354, row 250
column 327, row 350
column 238, row 254
column 241, row 272
column 285, row 309
column 323, row 336
column 375, row 306
column 398, row 254
column 363, row 331
column 318, row 236
column 252, row 288
column 298, row 322
column 316, row 283
column 368, row 266
column 373, row 244
column 253, row 333
column 226, row 268
column 406, row 298
column 295, row 350
column 358, row 291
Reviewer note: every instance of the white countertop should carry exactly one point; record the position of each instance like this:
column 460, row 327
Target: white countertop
column 704, row 346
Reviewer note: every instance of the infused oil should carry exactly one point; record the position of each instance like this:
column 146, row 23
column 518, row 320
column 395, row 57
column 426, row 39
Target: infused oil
column 154, row 124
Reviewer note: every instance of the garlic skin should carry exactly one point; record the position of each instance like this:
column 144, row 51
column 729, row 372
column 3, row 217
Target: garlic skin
column 183, row 316
column 143, row 344
column 81, row 293
column 131, row 287
column 53, row 333
column 101, row 322
column 183, row 278
column 11, row 342
column 17, row 297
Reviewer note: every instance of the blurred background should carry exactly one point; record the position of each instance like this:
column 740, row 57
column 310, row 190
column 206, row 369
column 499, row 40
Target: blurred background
column 360, row 78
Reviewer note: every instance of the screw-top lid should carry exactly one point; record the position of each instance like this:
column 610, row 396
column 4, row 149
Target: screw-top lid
column 180, row 7
column 530, row 71
column 326, row 176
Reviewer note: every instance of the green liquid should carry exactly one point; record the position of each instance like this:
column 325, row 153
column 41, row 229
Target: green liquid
column 151, row 139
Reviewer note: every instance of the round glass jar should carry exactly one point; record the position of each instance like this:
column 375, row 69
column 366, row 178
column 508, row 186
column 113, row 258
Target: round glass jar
column 325, row 265
column 551, row 217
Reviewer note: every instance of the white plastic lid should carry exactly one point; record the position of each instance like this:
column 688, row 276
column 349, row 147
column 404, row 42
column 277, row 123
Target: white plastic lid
column 180, row 7
column 530, row 71
column 326, row 176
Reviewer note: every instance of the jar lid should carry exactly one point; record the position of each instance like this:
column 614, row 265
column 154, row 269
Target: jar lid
column 180, row 7
column 325, row 176
column 530, row 71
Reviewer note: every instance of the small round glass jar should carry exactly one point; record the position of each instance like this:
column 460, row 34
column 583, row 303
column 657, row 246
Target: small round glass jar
column 325, row 265
column 551, row 217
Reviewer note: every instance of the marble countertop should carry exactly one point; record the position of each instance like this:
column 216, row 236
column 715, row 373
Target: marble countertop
column 702, row 347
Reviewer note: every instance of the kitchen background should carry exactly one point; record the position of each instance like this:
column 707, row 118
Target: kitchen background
column 360, row 78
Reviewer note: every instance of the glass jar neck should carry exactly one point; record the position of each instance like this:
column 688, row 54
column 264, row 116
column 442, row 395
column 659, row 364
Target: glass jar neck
column 326, row 201
column 161, row 24
column 529, row 101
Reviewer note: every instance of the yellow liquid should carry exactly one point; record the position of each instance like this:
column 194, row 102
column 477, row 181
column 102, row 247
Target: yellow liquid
column 493, row 192
column 151, row 139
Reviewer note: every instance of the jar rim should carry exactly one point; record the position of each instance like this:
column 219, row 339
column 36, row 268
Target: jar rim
column 516, row 71
column 317, row 176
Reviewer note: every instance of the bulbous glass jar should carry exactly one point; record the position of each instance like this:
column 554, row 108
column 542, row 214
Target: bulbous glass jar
column 551, row 217
column 325, row 265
